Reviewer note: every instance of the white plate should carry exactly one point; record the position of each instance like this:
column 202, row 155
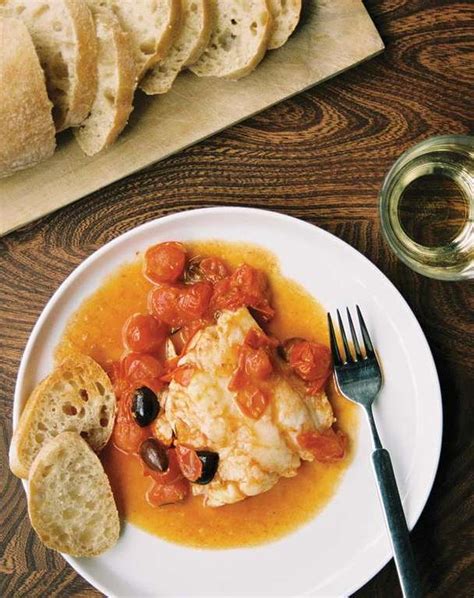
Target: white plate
column 346, row 544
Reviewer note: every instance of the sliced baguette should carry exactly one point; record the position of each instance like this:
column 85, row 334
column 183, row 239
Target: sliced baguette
column 152, row 25
column 238, row 40
column 64, row 36
column 188, row 46
column 70, row 502
column 77, row 396
column 115, row 88
column 286, row 15
column 27, row 129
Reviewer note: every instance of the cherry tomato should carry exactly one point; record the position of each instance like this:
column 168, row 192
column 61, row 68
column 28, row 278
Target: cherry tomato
column 165, row 494
column 141, row 369
column 252, row 402
column 165, row 262
column 189, row 462
column 213, row 269
column 143, row 333
column 256, row 338
column 325, row 446
column 171, row 475
column 182, row 375
column 138, row 367
column 245, row 287
column 180, row 305
column 194, row 300
column 257, row 364
column 127, row 434
column 311, row 361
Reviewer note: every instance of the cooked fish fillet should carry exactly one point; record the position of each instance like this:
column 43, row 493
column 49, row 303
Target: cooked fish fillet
column 254, row 454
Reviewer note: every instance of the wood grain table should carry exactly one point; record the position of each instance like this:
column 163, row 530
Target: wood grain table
column 320, row 156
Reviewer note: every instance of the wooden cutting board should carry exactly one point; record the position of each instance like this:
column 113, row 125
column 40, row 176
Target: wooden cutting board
column 333, row 36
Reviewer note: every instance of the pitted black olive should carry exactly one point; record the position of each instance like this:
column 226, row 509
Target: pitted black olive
column 210, row 461
column 145, row 406
column 154, row 455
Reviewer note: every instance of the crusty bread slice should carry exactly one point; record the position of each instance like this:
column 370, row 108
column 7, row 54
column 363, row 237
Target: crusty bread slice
column 64, row 36
column 152, row 25
column 187, row 48
column 77, row 396
column 27, row 133
column 286, row 15
column 115, row 87
column 238, row 40
column 70, row 502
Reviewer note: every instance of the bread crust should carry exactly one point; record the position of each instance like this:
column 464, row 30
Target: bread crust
column 70, row 501
column 27, row 130
column 73, row 59
column 155, row 80
column 43, row 418
column 286, row 16
column 85, row 84
column 206, row 66
column 123, row 93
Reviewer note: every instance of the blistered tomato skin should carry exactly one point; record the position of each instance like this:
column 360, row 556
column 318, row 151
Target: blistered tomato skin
column 178, row 305
column 142, row 333
column 164, row 263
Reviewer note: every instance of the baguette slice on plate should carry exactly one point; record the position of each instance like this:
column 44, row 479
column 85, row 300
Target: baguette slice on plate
column 64, row 36
column 115, row 87
column 238, row 41
column 286, row 15
column 70, row 501
column 188, row 46
column 27, row 134
column 77, row 396
column 151, row 24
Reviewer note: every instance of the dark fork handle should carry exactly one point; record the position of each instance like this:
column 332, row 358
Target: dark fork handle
column 396, row 523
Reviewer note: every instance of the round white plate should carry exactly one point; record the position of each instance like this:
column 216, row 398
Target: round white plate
column 346, row 544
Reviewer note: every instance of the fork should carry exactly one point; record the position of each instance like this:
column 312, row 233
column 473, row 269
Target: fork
column 359, row 378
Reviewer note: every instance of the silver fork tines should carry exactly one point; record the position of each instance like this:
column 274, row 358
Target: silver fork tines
column 359, row 378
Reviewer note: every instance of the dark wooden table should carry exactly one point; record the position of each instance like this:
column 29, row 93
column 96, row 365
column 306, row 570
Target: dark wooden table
column 322, row 157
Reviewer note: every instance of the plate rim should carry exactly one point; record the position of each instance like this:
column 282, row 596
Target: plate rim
column 225, row 210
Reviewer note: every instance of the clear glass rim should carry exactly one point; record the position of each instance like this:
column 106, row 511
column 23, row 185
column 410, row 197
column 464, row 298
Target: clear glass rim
column 429, row 261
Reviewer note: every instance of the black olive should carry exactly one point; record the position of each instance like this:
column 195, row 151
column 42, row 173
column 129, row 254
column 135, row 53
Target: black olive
column 145, row 406
column 285, row 348
column 154, row 455
column 210, row 461
column 193, row 271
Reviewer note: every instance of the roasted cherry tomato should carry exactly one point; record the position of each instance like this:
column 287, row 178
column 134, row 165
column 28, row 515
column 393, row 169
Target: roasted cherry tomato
column 127, row 435
column 245, row 287
column 141, row 367
column 166, row 494
column 252, row 402
column 142, row 333
column 182, row 375
column 180, row 304
column 211, row 269
column 256, row 338
column 253, row 365
column 325, row 446
column 165, row 262
column 311, row 361
column 189, row 462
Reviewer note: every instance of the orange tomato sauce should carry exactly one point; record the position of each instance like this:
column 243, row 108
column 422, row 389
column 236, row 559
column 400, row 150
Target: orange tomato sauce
column 96, row 328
